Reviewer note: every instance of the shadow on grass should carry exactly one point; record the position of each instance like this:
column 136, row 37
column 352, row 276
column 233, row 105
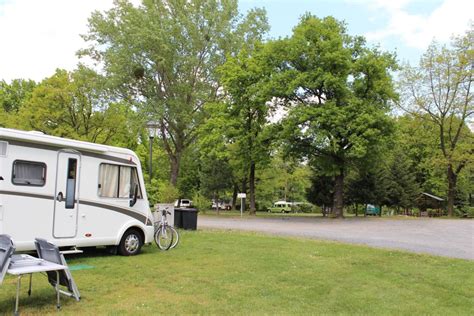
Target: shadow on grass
column 43, row 295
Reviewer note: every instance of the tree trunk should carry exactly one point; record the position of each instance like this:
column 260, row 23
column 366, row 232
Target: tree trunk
column 174, row 153
column 452, row 181
column 234, row 196
column 216, row 200
column 175, row 161
column 252, row 188
column 339, row 194
column 244, row 190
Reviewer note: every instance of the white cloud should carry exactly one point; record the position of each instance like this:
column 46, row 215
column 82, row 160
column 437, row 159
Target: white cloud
column 39, row 36
column 416, row 30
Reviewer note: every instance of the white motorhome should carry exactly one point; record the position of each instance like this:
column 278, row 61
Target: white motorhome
column 72, row 193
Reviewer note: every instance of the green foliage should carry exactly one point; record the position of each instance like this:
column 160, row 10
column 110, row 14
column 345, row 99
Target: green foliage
column 189, row 174
column 416, row 137
column 245, row 78
column 213, row 140
column 465, row 188
column 203, row 72
column 14, row 94
column 282, row 180
column 321, row 191
column 77, row 105
column 215, row 177
column 167, row 193
column 440, row 90
column 365, row 186
column 152, row 189
column 338, row 92
column 164, row 56
column 201, row 202
column 395, row 182
column 217, row 173
column 307, row 208
column 12, row 97
column 160, row 161
column 465, row 211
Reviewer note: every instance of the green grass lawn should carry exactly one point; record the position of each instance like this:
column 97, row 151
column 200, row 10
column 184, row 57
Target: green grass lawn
column 224, row 272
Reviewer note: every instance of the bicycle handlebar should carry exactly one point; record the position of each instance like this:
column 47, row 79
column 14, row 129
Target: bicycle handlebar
column 165, row 212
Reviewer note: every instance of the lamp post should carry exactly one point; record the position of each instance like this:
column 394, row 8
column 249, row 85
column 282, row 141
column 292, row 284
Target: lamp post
column 151, row 127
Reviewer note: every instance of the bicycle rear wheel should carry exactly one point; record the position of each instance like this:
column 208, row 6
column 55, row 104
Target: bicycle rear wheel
column 164, row 237
column 175, row 237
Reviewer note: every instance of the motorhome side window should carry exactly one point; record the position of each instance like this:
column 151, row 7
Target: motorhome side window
column 117, row 181
column 29, row 173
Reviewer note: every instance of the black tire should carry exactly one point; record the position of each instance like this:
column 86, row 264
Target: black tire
column 131, row 243
column 175, row 237
column 164, row 237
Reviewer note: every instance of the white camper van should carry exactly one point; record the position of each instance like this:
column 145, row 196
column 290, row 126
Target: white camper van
column 72, row 193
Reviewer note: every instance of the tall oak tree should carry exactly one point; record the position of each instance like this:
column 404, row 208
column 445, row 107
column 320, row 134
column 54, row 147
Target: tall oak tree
column 163, row 55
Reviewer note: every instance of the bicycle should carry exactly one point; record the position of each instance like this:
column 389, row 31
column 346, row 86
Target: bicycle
column 166, row 236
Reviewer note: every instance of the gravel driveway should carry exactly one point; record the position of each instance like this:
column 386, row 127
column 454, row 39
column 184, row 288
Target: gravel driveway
column 443, row 237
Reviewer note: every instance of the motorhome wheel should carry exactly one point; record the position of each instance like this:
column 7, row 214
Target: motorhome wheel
column 131, row 243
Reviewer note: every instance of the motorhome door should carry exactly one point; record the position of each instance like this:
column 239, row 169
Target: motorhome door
column 66, row 195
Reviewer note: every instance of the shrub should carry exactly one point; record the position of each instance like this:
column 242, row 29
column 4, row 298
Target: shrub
column 167, row 193
column 152, row 191
column 464, row 211
column 200, row 202
column 306, row 208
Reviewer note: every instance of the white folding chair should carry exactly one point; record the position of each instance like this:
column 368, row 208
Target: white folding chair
column 50, row 252
column 6, row 250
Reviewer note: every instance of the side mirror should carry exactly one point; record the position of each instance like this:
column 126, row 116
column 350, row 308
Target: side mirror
column 133, row 201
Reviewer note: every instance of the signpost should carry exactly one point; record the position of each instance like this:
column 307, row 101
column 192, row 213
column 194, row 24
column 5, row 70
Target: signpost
column 242, row 197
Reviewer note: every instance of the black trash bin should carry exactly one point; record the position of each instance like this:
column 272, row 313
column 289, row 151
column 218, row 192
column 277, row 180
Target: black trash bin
column 185, row 218
column 178, row 218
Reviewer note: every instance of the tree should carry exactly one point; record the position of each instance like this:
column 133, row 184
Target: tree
column 321, row 191
column 12, row 98
column 440, row 90
column 77, row 105
column 245, row 79
column 219, row 159
column 338, row 92
column 416, row 138
column 362, row 187
column 283, row 179
column 215, row 177
column 163, row 56
column 402, row 189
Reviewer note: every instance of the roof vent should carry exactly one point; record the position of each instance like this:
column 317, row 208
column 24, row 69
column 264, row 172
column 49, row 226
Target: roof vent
column 3, row 149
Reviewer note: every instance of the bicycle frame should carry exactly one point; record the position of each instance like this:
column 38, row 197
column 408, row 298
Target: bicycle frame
column 162, row 227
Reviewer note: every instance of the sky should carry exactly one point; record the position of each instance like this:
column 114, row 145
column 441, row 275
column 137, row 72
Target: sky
column 39, row 36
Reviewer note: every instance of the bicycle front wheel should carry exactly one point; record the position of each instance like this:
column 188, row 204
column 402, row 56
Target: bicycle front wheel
column 175, row 237
column 164, row 237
